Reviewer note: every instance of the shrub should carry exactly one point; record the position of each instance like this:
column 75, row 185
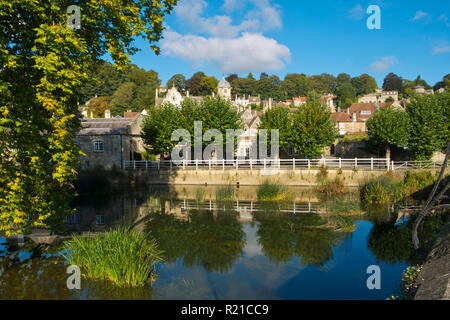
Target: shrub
column 417, row 180
column 123, row 256
column 380, row 190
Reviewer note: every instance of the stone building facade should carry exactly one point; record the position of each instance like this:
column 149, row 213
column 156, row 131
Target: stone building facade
column 108, row 142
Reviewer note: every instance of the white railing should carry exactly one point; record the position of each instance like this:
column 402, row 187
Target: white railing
column 282, row 164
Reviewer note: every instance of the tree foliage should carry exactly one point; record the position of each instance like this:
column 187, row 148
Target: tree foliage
column 430, row 124
column 43, row 66
column 389, row 127
column 214, row 113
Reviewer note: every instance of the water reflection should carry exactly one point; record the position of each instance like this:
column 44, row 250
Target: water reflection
column 238, row 249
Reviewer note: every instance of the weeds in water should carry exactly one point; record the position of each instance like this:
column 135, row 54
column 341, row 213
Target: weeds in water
column 268, row 191
column 348, row 205
column 200, row 195
column 331, row 187
column 122, row 256
column 225, row 193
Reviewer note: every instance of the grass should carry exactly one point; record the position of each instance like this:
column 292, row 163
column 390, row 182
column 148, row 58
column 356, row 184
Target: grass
column 122, row 256
column 225, row 193
column 389, row 188
column 268, row 191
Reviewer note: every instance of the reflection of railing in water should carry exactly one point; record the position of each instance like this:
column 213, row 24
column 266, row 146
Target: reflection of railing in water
column 282, row 164
column 239, row 206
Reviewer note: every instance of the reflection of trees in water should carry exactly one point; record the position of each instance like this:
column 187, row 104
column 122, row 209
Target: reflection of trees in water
column 34, row 278
column 212, row 241
column 43, row 278
column 285, row 236
column 392, row 243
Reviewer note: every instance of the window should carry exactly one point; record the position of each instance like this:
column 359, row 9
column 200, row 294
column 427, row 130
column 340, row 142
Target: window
column 73, row 219
column 367, row 112
column 100, row 220
column 98, row 146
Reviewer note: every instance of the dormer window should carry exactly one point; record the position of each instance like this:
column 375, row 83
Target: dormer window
column 98, row 146
column 366, row 112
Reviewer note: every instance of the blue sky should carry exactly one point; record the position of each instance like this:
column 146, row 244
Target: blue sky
column 287, row 36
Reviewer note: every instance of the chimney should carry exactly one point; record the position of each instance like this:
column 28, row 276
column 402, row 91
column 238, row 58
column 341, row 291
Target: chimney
column 107, row 114
column 157, row 94
column 187, row 93
column 354, row 116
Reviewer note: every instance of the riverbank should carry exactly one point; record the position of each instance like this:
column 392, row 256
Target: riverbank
column 242, row 177
column 436, row 270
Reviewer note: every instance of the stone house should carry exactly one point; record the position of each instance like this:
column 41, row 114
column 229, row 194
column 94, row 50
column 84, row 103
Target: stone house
column 251, row 120
column 379, row 96
column 108, row 142
column 348, row 125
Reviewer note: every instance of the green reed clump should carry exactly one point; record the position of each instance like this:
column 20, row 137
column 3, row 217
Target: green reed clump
column 200, row 195
column 225, row 193
column 380, row 190
column 347, row 205
column 122, row 256
column 268, row 191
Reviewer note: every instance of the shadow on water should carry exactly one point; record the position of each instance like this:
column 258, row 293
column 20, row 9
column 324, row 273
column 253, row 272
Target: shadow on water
column 236, row 248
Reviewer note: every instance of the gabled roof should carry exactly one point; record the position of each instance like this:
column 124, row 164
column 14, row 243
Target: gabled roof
column 340, row 117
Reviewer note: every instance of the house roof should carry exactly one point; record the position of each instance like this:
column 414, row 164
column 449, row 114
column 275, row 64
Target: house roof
column 103, row 126
column 340, row 117
column 362, row 110
column 131, row 114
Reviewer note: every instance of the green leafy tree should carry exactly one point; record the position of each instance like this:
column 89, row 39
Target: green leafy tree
column 389, row 127
column 214, row 113
column 193, row 84
column 209, row 84
column 430, row 124
column 44, row 64
column 122, row 98
column 179, row 81
column 392, row 82
column 346, row 95
column 278, row 118
column 313, row 130
column 99, row 105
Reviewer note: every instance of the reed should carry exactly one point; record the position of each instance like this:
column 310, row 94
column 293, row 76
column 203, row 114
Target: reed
column 122, row 256
column 225, row 193
column 268, row 191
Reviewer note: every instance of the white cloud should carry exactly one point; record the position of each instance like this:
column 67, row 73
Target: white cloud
column 248, row 52
column 229, row 45
column 443, row 47
column 262, row 17
column 420, row 15
column 383, row 64
column 357, row 12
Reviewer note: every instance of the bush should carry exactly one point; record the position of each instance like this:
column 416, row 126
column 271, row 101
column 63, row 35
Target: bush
column 380, row 190
column 415, row 181
column 123, row 256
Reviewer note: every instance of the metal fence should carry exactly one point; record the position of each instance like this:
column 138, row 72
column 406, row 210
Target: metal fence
column 281, row 164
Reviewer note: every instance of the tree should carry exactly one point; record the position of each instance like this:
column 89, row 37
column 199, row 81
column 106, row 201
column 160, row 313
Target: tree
column 445, row 83
column 430, row 124
column 312, row 130
column 346, row 95
column 295, row 85
column 99, row 105
column 209, row 84
column 389, row 127
column 278, row 118
column 122, row 98
column 179, row 81
column 214, row 113
column 392, row 82
column 44, row 64
column 364, row 84
column 193, row 84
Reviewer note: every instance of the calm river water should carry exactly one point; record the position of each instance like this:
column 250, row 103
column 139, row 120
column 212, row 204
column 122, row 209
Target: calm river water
column 237, row 249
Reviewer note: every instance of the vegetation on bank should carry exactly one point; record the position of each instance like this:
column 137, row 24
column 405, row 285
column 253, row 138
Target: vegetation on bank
column 268, row 191
column 389, row 188
column 225, row 193
column 122, row 256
